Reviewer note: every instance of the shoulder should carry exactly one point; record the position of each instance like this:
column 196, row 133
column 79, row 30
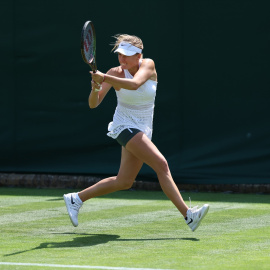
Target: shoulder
column 149, row 65
column 117, row 72
column 148, row 62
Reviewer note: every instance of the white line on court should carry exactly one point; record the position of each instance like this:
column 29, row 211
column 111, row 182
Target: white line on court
column 77, row 266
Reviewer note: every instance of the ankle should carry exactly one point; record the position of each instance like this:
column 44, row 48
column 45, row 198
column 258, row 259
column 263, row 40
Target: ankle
column 78, row 198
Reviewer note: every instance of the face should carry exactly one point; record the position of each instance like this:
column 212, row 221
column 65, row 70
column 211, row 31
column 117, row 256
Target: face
column 129, row 62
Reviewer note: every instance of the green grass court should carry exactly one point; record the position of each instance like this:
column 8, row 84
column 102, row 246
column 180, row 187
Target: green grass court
column 132, row 230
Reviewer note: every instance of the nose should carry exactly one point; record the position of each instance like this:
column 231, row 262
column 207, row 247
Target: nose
column 122, row 57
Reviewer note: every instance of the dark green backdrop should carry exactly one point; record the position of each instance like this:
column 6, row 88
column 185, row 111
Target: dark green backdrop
column 212, row 107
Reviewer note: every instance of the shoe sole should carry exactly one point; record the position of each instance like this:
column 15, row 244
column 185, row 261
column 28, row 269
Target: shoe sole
column 203, row 215
column 66, row 202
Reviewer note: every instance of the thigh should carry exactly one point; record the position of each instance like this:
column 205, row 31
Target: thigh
column 129, row 166
column 126, row 135
column 145, row 150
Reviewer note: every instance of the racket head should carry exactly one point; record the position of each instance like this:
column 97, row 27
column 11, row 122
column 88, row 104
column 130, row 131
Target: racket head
column 88, row 45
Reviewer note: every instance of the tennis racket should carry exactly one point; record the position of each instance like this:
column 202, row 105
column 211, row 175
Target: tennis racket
column 88, row 45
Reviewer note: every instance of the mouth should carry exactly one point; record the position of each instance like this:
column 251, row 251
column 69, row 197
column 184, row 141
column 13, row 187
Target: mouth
column 123, row 65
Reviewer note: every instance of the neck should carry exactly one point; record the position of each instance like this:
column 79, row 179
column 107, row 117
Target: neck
column 134, row 69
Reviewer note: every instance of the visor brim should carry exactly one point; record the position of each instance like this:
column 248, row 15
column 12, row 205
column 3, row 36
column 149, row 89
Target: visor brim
column 125, row 52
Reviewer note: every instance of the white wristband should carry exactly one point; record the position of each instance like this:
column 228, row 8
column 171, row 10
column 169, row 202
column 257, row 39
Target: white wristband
column 98, row 89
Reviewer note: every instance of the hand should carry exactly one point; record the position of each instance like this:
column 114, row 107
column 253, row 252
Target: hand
column 96, row 86
column 97, row 77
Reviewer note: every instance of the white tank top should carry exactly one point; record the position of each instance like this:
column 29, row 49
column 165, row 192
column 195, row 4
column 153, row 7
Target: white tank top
column 135, row 109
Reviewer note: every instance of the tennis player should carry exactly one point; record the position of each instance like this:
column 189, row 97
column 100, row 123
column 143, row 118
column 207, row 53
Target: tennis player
column 135, row 84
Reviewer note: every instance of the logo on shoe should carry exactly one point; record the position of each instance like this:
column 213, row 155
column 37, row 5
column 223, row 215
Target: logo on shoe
column 72, row 201
column 191, row 220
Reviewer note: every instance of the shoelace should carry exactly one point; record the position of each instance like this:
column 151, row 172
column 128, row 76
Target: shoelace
column 76, row 206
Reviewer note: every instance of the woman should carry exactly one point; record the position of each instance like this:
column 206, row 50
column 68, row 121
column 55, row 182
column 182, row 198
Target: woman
column 135, row 83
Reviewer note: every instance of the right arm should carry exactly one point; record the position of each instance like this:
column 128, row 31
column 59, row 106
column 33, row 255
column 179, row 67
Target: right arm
column 95, row 98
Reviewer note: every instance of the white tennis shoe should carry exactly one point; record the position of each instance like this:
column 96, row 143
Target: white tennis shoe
column 73, row 204
column 194, row 216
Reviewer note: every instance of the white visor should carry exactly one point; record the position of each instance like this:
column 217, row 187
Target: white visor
column 127, row 49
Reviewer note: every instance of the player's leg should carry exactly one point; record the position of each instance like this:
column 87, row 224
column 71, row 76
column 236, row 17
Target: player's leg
column 129, row 169
column 145, row 150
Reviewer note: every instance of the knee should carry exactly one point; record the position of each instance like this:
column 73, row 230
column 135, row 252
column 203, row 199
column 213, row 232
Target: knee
column 124, row 184
column 127, row 186
column 162, row 166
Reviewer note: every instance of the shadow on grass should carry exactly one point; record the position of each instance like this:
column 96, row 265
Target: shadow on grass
column 88, row 240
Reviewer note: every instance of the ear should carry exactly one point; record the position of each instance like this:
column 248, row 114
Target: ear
column 139, row 55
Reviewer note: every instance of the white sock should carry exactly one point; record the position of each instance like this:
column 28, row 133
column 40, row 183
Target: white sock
column 78, row 198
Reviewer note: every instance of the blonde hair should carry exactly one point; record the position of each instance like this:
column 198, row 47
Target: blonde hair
column 133, row 40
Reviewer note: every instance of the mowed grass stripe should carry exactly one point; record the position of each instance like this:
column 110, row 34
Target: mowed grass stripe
column 248, row 249
column 45, row 203
column 145, row 214
column 43, row 209
column 38, row 211
column 123, row 220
